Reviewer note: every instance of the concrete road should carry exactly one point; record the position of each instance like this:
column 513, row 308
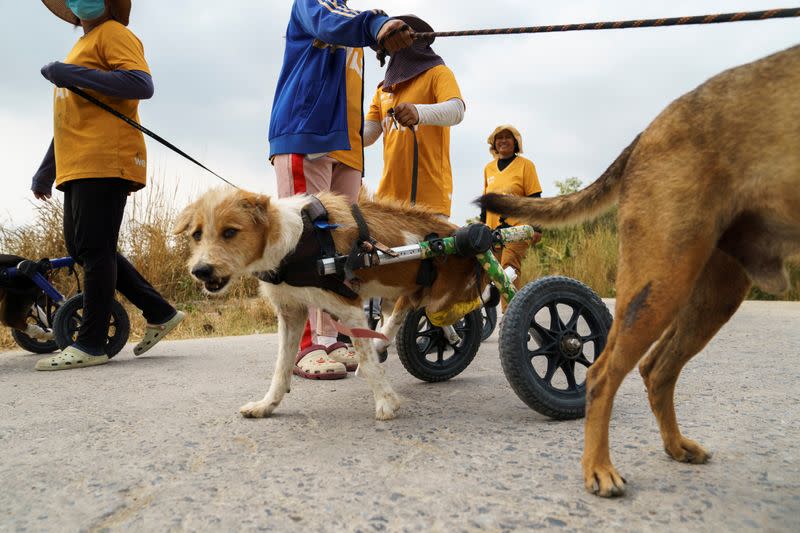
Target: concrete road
column 157, row 444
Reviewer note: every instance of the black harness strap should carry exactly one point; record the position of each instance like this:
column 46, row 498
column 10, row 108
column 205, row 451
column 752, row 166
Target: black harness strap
column 354, row 258
column 415, row 168
column 299, row 269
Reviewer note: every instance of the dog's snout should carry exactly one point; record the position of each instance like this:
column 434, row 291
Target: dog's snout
column 203, row 271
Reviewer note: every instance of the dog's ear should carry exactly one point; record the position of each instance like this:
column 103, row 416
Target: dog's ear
column 257, row 205
column 181, row 224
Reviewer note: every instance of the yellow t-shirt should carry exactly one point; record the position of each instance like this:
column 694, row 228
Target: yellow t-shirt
column 354, row 157
column 90, row 142
column 435, row 177
column 519, row 178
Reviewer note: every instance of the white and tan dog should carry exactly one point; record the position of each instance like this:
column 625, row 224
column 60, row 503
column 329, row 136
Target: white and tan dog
column 237, row 233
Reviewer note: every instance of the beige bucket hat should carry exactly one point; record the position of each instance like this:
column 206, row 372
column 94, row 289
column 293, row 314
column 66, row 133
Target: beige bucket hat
column 497, row 130
column 120, row 10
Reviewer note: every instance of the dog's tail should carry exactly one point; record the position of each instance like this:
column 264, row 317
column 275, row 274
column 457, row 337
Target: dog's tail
column 568, row 209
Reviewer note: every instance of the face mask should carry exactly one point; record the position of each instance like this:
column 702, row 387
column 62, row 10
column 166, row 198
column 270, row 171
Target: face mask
column 87, row 9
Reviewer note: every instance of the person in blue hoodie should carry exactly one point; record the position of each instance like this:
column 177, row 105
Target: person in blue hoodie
column 316, row 129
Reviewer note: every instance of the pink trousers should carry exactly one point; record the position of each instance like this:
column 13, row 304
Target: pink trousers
column 297, row 175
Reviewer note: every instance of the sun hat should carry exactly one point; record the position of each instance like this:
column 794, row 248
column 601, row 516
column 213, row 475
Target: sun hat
column 498, row 129
column 120, row 11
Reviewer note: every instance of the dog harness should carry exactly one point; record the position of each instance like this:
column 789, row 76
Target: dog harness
column 299, row 268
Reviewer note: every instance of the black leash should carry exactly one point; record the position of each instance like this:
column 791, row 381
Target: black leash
column 624, row 24
column 144, row 130
column 415, row 167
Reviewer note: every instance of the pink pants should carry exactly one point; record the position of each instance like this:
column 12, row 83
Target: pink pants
column 297, row 175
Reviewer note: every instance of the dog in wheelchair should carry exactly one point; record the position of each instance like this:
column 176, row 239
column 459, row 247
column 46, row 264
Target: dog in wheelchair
column 18, row 296
column 236, row 233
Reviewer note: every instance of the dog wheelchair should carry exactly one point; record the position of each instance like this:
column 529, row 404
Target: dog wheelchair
column 52, row 321
column 554, row 327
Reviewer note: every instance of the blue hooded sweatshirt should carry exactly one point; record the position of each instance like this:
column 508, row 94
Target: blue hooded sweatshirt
column 309, row 113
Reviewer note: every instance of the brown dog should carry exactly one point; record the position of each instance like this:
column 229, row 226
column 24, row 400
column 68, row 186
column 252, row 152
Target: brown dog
column 237, row 233
column 709, row 201
column 17, row 297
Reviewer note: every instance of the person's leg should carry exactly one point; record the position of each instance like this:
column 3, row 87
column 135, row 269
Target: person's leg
column 92, row 216
column 97, row 207
column 512, row 256
column 133, row 286
column 298, row 175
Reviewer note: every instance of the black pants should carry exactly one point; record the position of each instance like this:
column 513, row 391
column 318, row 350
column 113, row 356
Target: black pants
column 93, row 210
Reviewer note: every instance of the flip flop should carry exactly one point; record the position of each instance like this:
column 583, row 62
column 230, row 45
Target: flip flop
column 155, row 332
column 314, row 363
column 344, row 354
column 69, row 358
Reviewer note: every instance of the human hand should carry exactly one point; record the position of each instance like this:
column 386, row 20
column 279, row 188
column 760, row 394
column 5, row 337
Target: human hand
column 395, row 35
column 44, row 196
column 406, row 114
column 54, row 73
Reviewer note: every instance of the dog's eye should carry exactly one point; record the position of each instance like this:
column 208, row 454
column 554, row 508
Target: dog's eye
column 229, row 233
column 197, row 235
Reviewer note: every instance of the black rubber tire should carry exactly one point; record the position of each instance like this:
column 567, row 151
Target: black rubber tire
column 68, row 320
column 562, row 345
column 488, row 321
column 30, row 344
column 414, row 354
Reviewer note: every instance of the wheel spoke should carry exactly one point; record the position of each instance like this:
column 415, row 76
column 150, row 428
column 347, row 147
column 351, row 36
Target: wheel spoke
column 569, row 371
column 592, row 337
column 552, row 366
column 543, row 350
column 573, row 321
column 556, row 324
column 545, row 334
column 583, row 360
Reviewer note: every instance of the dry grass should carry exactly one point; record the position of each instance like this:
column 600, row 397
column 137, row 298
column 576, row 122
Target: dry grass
column 587, row 253
column 146, row 240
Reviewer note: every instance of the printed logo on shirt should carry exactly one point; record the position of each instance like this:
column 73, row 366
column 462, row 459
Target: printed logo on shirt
column 490, row 179
column 140, row 161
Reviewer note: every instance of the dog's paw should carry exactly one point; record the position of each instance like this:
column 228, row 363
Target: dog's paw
column 257, row 409
column 687, row 451
column 603, row 481
column 387, row 406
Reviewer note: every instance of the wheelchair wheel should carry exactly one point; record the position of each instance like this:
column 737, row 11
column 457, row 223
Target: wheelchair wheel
column 68, row 320
column 41, row 314
column 554, row 329
column 488, row 321
column 426, row 352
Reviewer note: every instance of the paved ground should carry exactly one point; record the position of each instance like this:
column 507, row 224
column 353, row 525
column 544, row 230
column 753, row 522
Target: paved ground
column 156, row 444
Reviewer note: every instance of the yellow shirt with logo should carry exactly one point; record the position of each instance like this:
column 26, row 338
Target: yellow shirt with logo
column 90, row 142
column 435, row 177
column 354, row 157
column 518, row 178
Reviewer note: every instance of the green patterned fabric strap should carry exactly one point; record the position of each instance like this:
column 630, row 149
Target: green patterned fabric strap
column 447, row 247
column 496, row 273
column 517, row 234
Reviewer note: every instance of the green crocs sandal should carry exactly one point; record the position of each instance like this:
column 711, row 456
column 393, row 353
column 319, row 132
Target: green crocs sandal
column 155, row 332
column 70, row 357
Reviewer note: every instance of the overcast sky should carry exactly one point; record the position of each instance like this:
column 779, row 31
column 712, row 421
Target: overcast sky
column 578, row 98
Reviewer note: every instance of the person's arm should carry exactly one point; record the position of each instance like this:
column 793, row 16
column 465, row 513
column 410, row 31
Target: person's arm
column 444, row 114
column 42, row 183
column 337, row 24
column 372, row 132
column 128, row 84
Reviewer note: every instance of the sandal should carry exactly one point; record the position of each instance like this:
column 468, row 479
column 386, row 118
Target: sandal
column 314, row 363
column 344, row 354
column 155, row 332
column 70, row 357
